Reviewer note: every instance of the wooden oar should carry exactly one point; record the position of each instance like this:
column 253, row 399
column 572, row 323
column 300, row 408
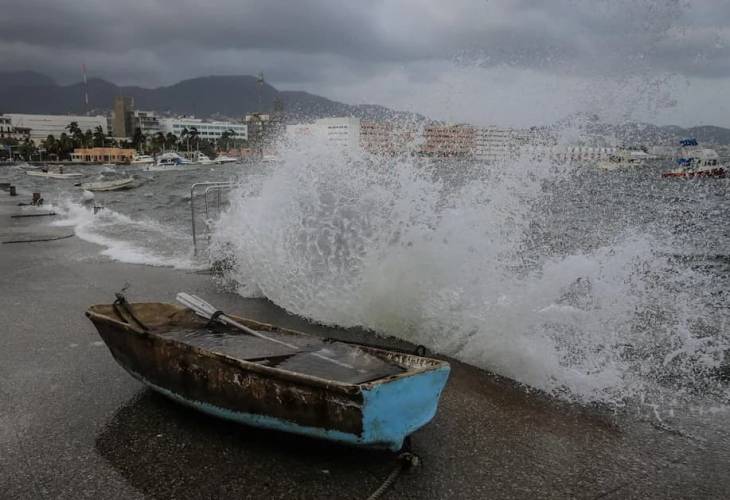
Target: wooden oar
column 207, row 311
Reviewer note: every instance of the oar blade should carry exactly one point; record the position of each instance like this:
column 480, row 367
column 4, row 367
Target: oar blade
column 198, row 305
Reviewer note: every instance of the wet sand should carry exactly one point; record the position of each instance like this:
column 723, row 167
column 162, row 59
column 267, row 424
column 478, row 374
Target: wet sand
column 73, row 424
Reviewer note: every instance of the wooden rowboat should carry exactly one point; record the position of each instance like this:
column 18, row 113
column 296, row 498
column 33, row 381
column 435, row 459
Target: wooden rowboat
column 298, row 383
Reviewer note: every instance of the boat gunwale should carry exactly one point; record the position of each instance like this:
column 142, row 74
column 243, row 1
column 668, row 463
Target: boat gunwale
column 274, row 372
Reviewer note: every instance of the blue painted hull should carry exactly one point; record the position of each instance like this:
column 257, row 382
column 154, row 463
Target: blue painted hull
column 390, row 413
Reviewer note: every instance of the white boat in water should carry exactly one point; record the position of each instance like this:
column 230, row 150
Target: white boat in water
column 54, row 175
column 625, row 159
column 202, row 159
column 170, row 161
column 114, row 185
column 696, row 161
column 225, row 159
column 142, row 160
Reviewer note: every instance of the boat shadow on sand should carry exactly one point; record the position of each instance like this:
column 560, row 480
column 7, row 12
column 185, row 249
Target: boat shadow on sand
column 166, row 450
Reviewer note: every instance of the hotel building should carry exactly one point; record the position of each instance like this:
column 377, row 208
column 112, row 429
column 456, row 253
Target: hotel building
column 211, row 130
column 41, row 126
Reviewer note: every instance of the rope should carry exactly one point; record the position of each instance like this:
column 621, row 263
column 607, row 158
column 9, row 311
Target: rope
column 406, row 461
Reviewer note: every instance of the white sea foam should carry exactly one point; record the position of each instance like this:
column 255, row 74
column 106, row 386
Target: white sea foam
column 351, row 240
column 134, row 241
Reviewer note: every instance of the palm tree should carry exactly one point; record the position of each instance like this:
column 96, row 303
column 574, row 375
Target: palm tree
column 185, row 136
column 27, row 149
column 158, row 141
column 226, row 136
column 65, row 146
column 171, row 141
column 88, row 138
column 73, row 128
column 138, row 139
column 194, row 135
column 77, row 135
column 50, row 144
column 99, row 137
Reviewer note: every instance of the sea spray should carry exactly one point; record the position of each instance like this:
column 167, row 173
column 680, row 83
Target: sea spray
column 411, row 248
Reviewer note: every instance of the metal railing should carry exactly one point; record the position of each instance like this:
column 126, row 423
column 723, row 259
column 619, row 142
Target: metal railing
column 210, row 201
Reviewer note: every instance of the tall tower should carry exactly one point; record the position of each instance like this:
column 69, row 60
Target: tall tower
column 86, row 90
column 260, row 84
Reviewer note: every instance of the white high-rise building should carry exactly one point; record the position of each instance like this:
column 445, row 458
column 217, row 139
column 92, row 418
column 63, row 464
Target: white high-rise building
column 206, row 129
column 41, row 126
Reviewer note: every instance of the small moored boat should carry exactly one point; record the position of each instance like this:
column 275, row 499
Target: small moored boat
column 690, row 173
column 54, row 175
column 170, row 161
column 142, row 160
column 695, row 161
column 274, row 378
column 114, row 185
column 225, row 159
column 624, row 159
column 200, row 158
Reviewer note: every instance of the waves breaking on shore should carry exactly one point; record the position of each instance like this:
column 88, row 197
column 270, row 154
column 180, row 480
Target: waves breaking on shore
column 456, row 262
column 130, row 240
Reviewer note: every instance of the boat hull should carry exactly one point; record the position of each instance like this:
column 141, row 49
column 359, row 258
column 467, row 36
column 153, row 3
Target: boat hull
column 51, row 175
column 710, row 172
column 379, row 414
column 108, row 185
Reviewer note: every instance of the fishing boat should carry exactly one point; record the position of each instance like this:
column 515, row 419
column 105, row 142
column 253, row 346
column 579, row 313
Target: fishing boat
column 54, row 175
column 114, row 185
column 264, row 376
column 695, row 161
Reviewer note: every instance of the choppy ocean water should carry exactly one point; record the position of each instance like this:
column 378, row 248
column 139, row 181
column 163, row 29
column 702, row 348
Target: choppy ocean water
column 593, row 286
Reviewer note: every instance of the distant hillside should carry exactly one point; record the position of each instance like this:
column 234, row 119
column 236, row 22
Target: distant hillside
column 24, row 78
column 231, row 96
column 236, row 95
column 637, row 134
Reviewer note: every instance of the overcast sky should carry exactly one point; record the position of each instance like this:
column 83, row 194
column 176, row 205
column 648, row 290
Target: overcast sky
column 509, row 62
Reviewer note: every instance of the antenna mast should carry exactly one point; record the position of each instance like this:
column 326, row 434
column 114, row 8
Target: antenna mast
column 86, row 89
column 260, row 82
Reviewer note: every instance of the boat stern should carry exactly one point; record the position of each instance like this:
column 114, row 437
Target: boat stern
column 395, row 409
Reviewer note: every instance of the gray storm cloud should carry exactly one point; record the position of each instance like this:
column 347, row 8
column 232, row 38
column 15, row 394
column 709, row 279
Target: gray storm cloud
column 332, row 45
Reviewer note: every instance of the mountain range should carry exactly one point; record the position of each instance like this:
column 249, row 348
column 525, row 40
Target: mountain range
column 205, row 97
column 599, row 133
column 233, row 96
